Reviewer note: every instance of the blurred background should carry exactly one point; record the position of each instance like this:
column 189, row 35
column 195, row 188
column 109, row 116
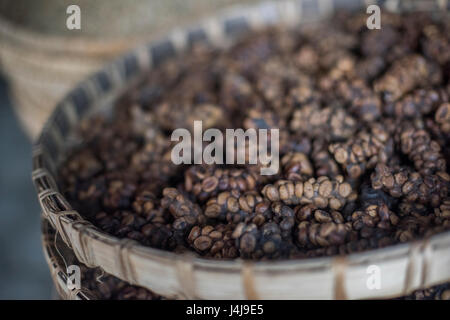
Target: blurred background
column 23, row 271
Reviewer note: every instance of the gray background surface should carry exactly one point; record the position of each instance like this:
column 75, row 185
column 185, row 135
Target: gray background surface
column 23, row 271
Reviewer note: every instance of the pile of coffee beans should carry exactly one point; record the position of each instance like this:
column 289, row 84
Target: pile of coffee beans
column 364, row 120
column 439, row 292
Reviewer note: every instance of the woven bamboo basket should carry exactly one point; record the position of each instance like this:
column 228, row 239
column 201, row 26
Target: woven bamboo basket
column 59, row 257
column 43, row 60
column 403, row 268
column 52, row 255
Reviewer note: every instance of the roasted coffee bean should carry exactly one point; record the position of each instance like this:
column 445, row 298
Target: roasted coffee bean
column 373, row 216
column 442, row 117
column 296, row 166
column 378, row 43
column 333, row 123
column 323, row 161
column 159, row 236
column 363, row 151
column 321, row 234
column 213, row 241
column 369, row 196
column 410, row 185
column 226, row 207
column 435, row 44
column 304, row 212
column 83, row 165
column 362, row 101
column 236, row 92
column 284, row 217
column 439, row 292
column 321, row 192
column 144, row 202
column 418, row 145
column 370, row 67
column 273, row 79
column 185, row 212
column 406, row 74
column 259, row 243
column 207, row 182
column 416, row 104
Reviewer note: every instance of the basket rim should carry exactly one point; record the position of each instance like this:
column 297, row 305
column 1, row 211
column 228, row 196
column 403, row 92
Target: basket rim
column 68, row 220
column 57, row 272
